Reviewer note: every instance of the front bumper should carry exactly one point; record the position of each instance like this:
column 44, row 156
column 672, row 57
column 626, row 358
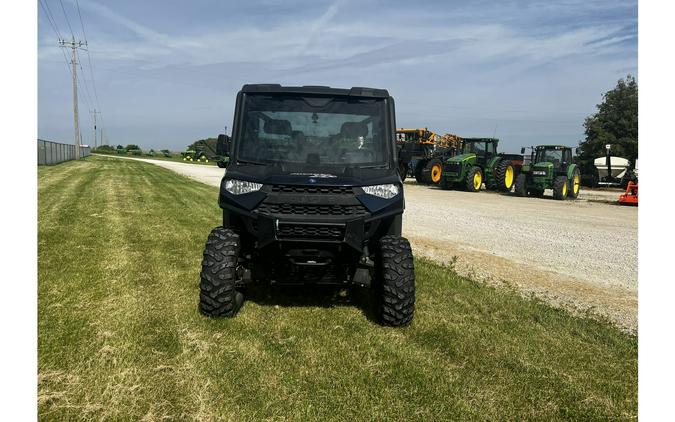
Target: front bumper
column 296, row 215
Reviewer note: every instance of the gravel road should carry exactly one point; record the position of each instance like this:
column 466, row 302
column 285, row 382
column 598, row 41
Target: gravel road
column 581, row 255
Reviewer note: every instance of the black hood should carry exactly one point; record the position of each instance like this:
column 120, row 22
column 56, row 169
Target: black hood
column 306, row 175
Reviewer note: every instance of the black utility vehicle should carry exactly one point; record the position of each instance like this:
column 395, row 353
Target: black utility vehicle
column 311, row 194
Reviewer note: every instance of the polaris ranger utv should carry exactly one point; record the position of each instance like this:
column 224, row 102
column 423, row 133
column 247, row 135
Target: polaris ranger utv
column 311, row 194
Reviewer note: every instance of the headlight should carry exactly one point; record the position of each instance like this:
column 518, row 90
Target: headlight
column 238, row 187
column 539, row 172
column 387, row 191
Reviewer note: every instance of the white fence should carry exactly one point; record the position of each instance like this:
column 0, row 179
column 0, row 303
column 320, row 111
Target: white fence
column 53, row 152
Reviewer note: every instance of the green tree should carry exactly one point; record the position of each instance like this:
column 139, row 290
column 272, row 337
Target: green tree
column 131, row 147
column 615, row 123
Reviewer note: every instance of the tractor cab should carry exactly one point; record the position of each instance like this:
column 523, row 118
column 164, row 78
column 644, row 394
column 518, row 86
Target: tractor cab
column 557, row 155
column 483, row 148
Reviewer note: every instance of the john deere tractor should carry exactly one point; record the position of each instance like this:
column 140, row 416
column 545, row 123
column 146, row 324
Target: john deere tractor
column 550, row 167
column 478, row 162
column 195, row 155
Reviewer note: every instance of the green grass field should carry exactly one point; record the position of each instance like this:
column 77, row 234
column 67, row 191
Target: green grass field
column 175, row 156
column 120, row 336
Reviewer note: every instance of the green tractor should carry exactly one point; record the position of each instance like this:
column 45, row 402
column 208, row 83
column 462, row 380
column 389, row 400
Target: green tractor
column 478, row 162
column 550, row 167
column 195, row 155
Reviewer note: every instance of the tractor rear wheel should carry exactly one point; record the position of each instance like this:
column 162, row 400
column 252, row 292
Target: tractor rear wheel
column 521, row 185
column 436, row 166
column 504, row 175
column 575, row 183
column 419, row 175
column 403, row 170
column 395, row 281
column 560, row 187
column 218, row 296
column 474, row 179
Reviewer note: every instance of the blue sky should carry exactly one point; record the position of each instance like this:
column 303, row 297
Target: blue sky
column 167, row 72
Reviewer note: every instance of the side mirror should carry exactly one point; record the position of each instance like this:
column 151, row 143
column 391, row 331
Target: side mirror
column 577, row 151
column 522, row 150
column 223, row 145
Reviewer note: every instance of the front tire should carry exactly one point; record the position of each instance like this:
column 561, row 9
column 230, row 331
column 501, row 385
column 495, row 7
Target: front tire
column 218, row 296
column 474, row 179
column 436, row 170
column 395, row 281
column 560, row 187
column 521, row 185
column 575, row 184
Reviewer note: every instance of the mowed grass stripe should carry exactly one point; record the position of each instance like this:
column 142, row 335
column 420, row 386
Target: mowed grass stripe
column 120, row 336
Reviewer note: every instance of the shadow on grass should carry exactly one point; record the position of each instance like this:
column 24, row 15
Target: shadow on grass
column 312, row 295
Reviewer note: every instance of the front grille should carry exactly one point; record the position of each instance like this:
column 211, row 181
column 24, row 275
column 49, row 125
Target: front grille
column 308, row 231
column 328, row 190
column 453, row 167
column 306, row 209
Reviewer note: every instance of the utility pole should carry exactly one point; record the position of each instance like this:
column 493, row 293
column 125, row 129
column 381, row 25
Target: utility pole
column 74, row 46
column 95, row 113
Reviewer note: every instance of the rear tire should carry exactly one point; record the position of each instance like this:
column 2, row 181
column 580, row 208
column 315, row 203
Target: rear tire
column 403, row 170
column 218, row 296
column 575, row 184
column 474, row 179
column 560, row 187
column 504, row 175
column 521, row 185
column 419, row 172
column 436, row 171
column 395, row 281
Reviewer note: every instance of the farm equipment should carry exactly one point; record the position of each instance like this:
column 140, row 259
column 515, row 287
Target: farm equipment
column 311, row 195
column 477, row 161
column 195, row 155
column 415, row 147
column 422, row 153
column 206, row 150
column 631, row 195
column 550, row 167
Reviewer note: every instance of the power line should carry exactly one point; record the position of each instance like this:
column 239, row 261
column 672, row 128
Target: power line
column 50, row 19
column 67, row 20
column 89, row 59
column 77, row 3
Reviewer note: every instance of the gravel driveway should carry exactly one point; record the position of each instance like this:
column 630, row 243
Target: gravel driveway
column 581, row 255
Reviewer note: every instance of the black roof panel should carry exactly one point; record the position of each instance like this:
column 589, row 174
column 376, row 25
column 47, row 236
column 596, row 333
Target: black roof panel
column 316, row 89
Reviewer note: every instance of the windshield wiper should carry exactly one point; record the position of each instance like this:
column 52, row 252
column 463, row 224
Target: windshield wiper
column 251, row 163
column 374, row 166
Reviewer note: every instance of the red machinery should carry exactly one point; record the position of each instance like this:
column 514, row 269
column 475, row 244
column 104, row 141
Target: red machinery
column 631, row 195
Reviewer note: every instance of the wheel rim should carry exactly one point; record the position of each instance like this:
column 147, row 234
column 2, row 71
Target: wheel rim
column 564, row 189
column 508, row 177
column 576, row 184
column 436, row 173
column 477, row 180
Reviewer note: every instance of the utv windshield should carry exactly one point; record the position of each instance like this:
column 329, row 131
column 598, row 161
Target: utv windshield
column 313, row 130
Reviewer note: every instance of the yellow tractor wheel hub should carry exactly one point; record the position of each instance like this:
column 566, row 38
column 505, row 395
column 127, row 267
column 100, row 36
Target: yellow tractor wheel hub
column 575, row 184
column 436, row 173
column 477, row 180
column 508, row 177
column 564, row 189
